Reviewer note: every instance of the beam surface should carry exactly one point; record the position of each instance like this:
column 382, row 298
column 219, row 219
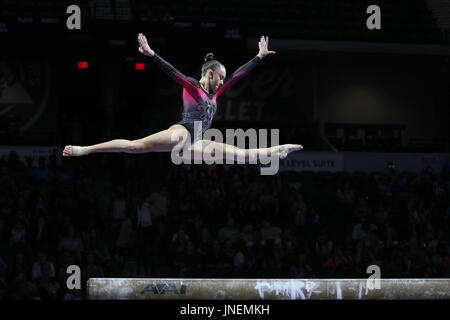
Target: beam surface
column 267, row 289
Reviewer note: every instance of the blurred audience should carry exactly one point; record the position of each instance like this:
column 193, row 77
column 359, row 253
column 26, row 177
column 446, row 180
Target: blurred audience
column 214, row 221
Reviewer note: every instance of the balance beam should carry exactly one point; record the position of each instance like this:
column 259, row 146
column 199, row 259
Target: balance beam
column 266, row 289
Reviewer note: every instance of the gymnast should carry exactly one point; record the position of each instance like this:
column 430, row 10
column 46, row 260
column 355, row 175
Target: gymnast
column 199, row 101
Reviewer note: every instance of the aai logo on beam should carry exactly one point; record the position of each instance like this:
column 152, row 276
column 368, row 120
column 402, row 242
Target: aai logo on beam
column 162, row 288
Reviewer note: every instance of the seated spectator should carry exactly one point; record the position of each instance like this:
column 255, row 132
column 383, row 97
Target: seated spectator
column 229, row 251
column 346, row 194
column 229, row 232
column 361, row 230
column 36, row 269
column 247, row 234
column 195, row 228
column 300, row 269
column 299, row 204
column 125, row 239
column 336, row 260
column 190, row 260
column 360, row 258
column 381, row 214
column 70, row 242
column 42, row 234
column 91, row 268
column 373, row 240
column 181, row 235
column 159, row 203
column 270, row 232
column 64, row 172
column 144, row 216
column 266, row 197
column 323, row 245
column 186, row 205
column 215, row 259
column 239, row 256
column 204, row 243
column 48, row 286
column 18, row 233
column 42, row 172
column 390, row 234
column 348, row 246
column 19, row 270
column 414, row 259
column 119, row 204
column 393, row 266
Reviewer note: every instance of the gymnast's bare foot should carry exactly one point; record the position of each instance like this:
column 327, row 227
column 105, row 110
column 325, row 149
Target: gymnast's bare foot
column 74, row 151
column 285, row 149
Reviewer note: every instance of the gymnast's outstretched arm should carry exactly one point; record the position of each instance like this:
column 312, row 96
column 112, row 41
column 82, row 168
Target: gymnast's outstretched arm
column 243, row 70
column 166, row 67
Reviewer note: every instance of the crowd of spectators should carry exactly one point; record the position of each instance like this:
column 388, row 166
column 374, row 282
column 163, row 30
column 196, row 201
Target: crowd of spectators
column 212, row 221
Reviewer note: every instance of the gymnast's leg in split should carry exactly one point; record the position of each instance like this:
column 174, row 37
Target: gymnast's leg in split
column 163, row 141
column 157, row 142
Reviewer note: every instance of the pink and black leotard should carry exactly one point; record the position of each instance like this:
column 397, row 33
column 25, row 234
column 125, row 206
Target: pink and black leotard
column 199, row 105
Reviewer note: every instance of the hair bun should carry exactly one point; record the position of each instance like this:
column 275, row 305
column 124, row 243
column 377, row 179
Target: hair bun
column 209, row 57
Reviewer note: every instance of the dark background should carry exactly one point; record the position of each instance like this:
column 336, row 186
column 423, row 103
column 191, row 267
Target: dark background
column 332, row 80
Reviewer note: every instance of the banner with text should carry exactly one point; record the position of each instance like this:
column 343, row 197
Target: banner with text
column 313, row 161
column 363, row 161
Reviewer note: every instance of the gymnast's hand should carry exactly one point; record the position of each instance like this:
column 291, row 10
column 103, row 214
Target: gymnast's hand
column 263, row 50
column 144, row 48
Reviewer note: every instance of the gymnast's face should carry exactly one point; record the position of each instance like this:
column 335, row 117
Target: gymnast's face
column 216, row 78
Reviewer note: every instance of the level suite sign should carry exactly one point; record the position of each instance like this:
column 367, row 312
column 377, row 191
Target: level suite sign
column 313, row 161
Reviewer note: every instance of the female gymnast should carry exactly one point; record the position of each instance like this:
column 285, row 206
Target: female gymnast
column 199, row 100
